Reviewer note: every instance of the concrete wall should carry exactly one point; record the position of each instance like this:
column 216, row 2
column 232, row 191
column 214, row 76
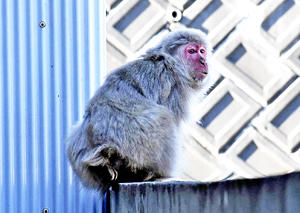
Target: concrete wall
column 251, row 120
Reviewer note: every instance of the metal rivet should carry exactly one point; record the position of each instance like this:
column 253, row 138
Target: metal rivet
column 45, row 210
column 42, row 24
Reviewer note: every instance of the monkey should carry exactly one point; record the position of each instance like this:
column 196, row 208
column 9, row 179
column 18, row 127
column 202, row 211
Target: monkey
column 132, row 125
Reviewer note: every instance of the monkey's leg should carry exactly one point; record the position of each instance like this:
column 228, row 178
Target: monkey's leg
column 108, row 166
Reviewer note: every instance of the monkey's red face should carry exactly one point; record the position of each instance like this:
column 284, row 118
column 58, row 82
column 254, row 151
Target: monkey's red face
column 195, row 55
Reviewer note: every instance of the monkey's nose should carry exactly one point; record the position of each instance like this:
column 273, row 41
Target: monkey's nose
column 202, row 61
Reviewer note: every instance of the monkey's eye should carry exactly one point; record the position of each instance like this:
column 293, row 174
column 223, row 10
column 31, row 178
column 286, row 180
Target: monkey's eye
column 202, row 51
column 191, row 51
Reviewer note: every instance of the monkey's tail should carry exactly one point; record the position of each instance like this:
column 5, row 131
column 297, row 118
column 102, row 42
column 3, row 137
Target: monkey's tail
column 90, row 164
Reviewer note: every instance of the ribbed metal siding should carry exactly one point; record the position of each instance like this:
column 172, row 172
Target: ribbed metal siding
column 46, row 77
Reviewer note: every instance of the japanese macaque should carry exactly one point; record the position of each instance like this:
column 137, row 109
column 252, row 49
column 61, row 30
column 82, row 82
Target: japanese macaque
column 132, row 126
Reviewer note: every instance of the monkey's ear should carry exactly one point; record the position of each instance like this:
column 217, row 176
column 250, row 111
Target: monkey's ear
column 175, row 44
column 157, row 57
column 160, row 58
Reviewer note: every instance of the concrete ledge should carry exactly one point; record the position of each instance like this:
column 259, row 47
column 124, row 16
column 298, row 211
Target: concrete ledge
column 280, row 194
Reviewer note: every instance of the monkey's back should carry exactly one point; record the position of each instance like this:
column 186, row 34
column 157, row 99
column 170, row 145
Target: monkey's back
column 127, row 133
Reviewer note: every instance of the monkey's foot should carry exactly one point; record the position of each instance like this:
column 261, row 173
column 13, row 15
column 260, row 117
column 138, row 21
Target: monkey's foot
column 113, row 173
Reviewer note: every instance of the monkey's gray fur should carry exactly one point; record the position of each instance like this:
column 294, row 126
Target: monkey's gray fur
column 130, row 127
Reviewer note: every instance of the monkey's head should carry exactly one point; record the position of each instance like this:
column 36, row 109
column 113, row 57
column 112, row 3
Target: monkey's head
column 190, row 48
column 193, row 56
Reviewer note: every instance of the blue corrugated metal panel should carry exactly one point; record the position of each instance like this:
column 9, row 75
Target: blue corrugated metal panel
column 46, row 77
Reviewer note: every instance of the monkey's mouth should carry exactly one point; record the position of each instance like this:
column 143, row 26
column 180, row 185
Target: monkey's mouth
column 202, row 70
column 200, row 75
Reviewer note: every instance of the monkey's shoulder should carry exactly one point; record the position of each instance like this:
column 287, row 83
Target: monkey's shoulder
column 141, row 73
column 144, row 65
